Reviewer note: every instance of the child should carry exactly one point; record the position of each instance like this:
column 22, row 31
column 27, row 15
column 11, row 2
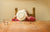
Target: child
column 27, row 18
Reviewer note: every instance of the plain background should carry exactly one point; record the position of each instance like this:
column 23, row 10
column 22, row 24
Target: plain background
column 42, row 8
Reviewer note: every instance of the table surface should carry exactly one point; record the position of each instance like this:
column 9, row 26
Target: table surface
column 25, row 26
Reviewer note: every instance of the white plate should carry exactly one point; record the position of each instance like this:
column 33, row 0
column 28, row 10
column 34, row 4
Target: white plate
column 21, row 15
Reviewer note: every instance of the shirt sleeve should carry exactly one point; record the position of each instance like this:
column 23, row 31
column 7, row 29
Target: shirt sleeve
column 16, row 20
column 32, row 18
column 13, row 19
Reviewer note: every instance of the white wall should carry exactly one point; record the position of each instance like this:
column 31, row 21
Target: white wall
column 7, row 8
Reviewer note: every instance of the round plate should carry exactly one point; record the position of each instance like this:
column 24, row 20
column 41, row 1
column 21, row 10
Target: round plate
column 21, row 15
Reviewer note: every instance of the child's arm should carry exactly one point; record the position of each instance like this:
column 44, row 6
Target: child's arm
column 27, row 17
column 31, row 18
column 13, row 19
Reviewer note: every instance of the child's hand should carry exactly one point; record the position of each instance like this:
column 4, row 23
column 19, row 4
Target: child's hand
column 14, row 17
column 27, row 17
